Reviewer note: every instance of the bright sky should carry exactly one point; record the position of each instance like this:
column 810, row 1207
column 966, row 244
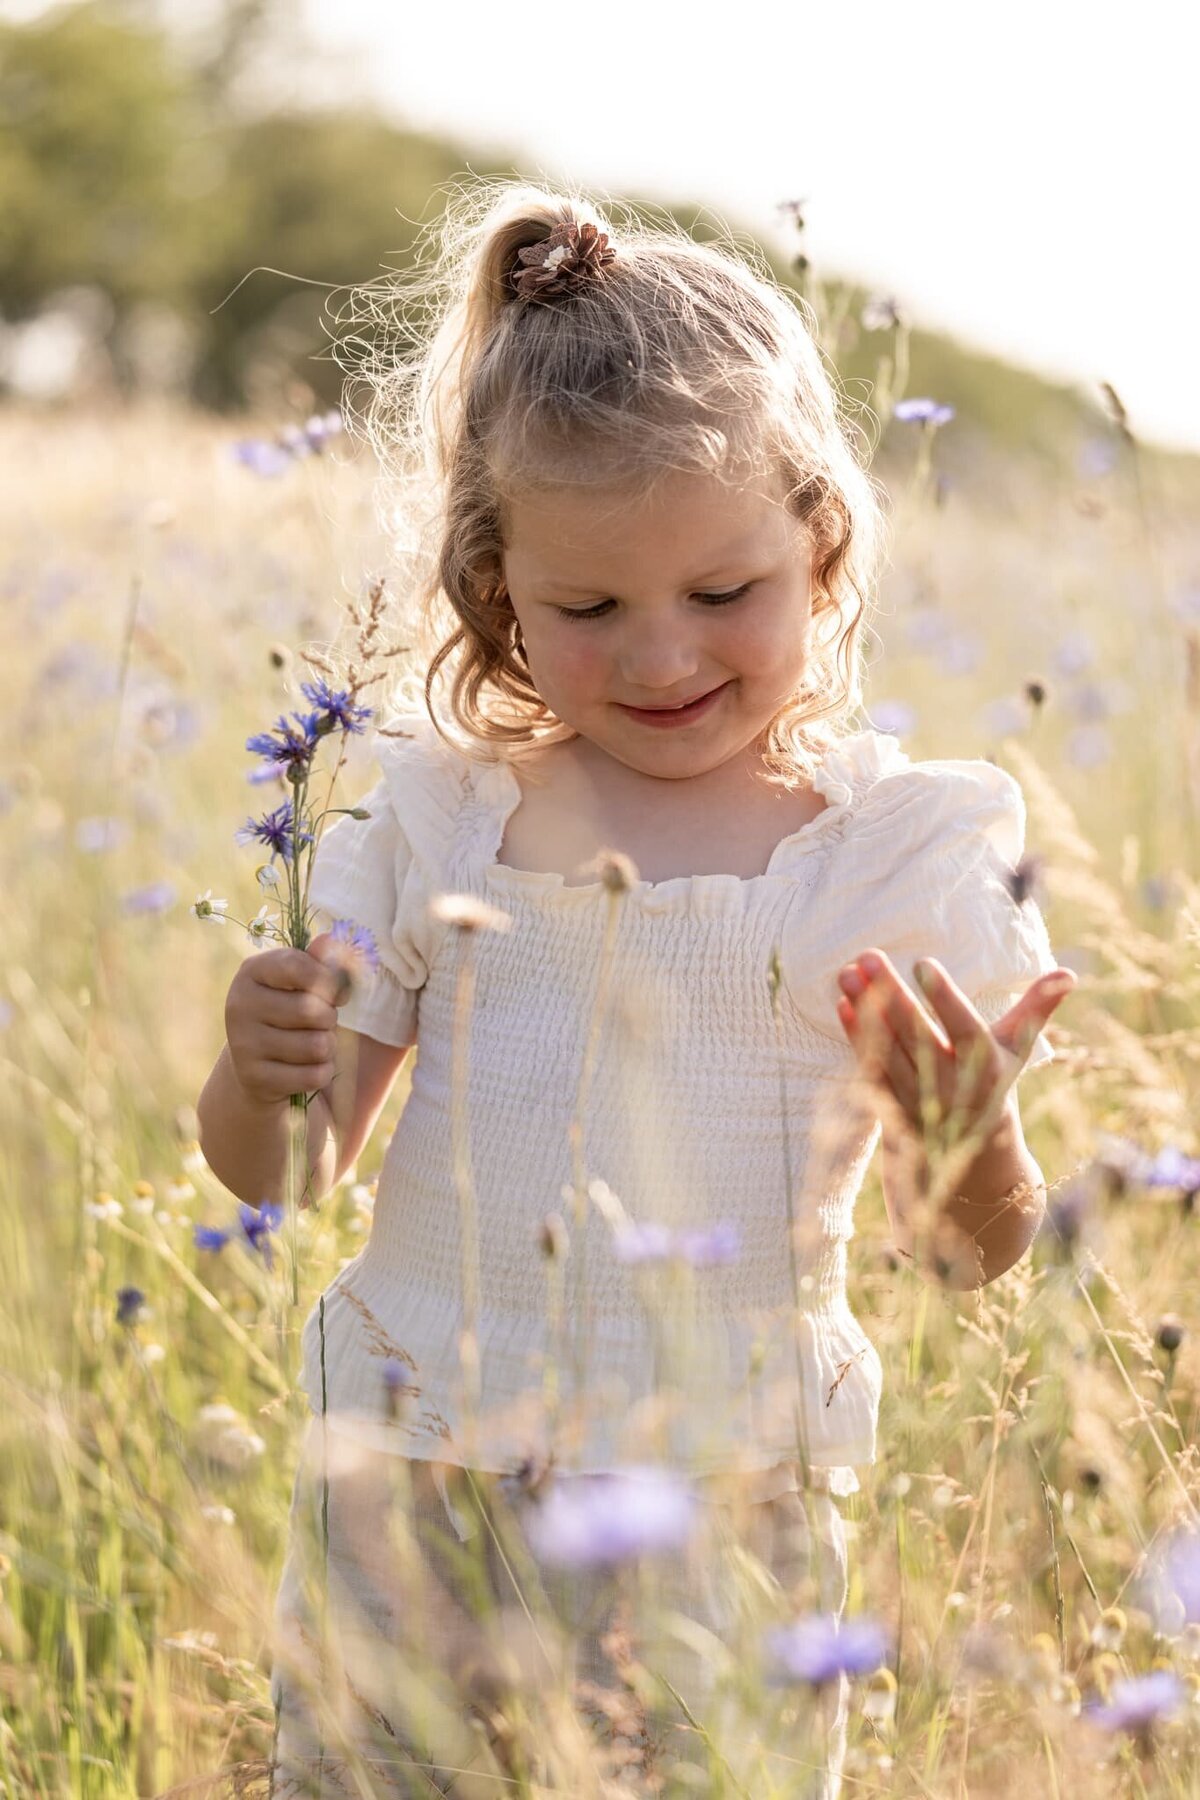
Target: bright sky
column 1022, row 176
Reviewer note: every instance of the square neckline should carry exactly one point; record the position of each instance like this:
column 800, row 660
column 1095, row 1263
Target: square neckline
column 553, row 882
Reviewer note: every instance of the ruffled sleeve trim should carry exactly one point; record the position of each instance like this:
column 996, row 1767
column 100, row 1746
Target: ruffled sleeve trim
column 855, row 763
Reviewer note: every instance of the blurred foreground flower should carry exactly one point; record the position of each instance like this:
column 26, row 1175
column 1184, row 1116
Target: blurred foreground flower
column 256, row 1224
column 1138, row 1701
column 820, row 1647
column 222, row 1435
column 639, row 1243
column 1169, row 1587
column 130, row 1301
column 605, row 1519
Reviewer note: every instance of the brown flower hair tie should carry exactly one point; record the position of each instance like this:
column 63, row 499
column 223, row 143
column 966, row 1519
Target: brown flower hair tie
column 571, row 255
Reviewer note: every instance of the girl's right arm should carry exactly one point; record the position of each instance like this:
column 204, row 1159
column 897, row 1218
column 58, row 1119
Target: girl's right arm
column 283, row 1039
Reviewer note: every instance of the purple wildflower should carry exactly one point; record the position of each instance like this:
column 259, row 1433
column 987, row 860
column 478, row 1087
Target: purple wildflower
column 256, row 1223
column 1075, row 653
column 819, row 1648
column 158, row 897
column 701, row 1246
column 286, row 749
column 398, row 1389
column 925, row 411
column 356, row 942
column 130, row 1300
column 264, row 458
column 275, row 830
column 895, row 717
column 97, row 834
column 1090, row 746
column 959, row 654
column 1136, row 1702
column 1068, row 1215
column 1170, row 1585
column 1005, row 717
column 609, row 1518
column 337, row 709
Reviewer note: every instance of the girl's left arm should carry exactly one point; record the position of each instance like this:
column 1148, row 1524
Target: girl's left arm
column 964, row 1195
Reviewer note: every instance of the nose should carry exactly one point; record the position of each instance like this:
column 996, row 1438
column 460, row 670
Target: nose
column 658, row 659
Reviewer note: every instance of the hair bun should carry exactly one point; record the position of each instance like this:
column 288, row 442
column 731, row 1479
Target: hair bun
column 572, row 255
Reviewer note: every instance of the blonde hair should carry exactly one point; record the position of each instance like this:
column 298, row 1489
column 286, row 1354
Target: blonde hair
column 677, row 357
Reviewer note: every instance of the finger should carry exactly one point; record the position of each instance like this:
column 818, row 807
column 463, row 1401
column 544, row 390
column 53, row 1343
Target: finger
column 908, row 1019
column 884, row 1061
column 291, row 1011
column 1019, row 1027
column 298, row 1046
column 928, row 1085
column 976, row 1052
column 294, row 970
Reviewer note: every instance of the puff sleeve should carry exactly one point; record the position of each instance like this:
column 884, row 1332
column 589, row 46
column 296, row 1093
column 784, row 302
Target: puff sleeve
column 924, row 870
column 382, row 873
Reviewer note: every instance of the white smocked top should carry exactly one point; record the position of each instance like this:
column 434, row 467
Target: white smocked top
column 702, row 1106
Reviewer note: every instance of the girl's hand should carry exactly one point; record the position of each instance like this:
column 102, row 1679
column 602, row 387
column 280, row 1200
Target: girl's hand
column 281, row 1022
column 958, row 1065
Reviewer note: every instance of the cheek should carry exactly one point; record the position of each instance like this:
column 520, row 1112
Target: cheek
column 568, row 662
column 767, row 644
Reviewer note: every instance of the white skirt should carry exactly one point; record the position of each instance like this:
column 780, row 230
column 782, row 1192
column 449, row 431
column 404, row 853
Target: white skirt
column 404, row 1650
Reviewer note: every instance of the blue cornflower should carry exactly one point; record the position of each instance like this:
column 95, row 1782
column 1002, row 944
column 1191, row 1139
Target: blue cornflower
column 925, row 411
column 286, row 748
column 1136, row 1702
column 820, row 1647
column 336, row 706
column 357, row 940
column 586, row 1521
column 130, row 1301
column 275, row 830
column 256, row 1223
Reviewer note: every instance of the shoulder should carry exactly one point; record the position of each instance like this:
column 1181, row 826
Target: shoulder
column 908, row 804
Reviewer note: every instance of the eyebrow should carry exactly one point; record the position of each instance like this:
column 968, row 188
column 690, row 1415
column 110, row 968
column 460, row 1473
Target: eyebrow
column 730, row 554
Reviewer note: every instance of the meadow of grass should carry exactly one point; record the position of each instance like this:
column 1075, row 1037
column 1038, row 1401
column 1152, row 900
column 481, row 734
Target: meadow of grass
column 1037, row 1438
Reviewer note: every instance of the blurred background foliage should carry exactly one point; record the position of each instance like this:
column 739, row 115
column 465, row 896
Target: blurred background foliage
column 185, row 202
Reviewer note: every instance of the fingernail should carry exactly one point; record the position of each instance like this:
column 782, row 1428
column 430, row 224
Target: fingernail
column 926, row 976
column 1058, row 984
column 870, row 963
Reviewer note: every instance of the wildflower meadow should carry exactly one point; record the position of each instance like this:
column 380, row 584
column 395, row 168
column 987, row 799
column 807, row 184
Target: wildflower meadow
column 200, row 626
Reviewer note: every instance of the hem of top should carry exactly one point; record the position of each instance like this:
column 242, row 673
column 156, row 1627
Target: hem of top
column 449, row 1455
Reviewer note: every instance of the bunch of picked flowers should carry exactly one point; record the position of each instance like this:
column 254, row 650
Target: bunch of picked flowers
column 291, row 831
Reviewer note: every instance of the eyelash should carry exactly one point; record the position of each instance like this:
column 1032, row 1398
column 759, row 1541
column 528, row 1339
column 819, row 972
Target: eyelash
column 590, row 612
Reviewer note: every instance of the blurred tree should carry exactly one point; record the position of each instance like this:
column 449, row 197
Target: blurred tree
column 108, row 172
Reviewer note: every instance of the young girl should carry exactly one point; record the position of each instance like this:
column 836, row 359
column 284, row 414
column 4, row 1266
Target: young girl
column 651, row 911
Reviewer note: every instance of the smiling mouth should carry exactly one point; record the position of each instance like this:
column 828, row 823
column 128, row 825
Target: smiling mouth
column 679, row 707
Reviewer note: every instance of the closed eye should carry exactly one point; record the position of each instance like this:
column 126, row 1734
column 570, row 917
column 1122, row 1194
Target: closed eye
column 597, row 611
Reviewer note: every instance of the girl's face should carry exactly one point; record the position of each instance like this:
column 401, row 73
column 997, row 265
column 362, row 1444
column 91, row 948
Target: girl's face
column 652, row 602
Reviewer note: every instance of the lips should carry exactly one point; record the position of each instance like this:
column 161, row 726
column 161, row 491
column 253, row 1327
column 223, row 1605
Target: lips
column 667, row 718
column 679, row 705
